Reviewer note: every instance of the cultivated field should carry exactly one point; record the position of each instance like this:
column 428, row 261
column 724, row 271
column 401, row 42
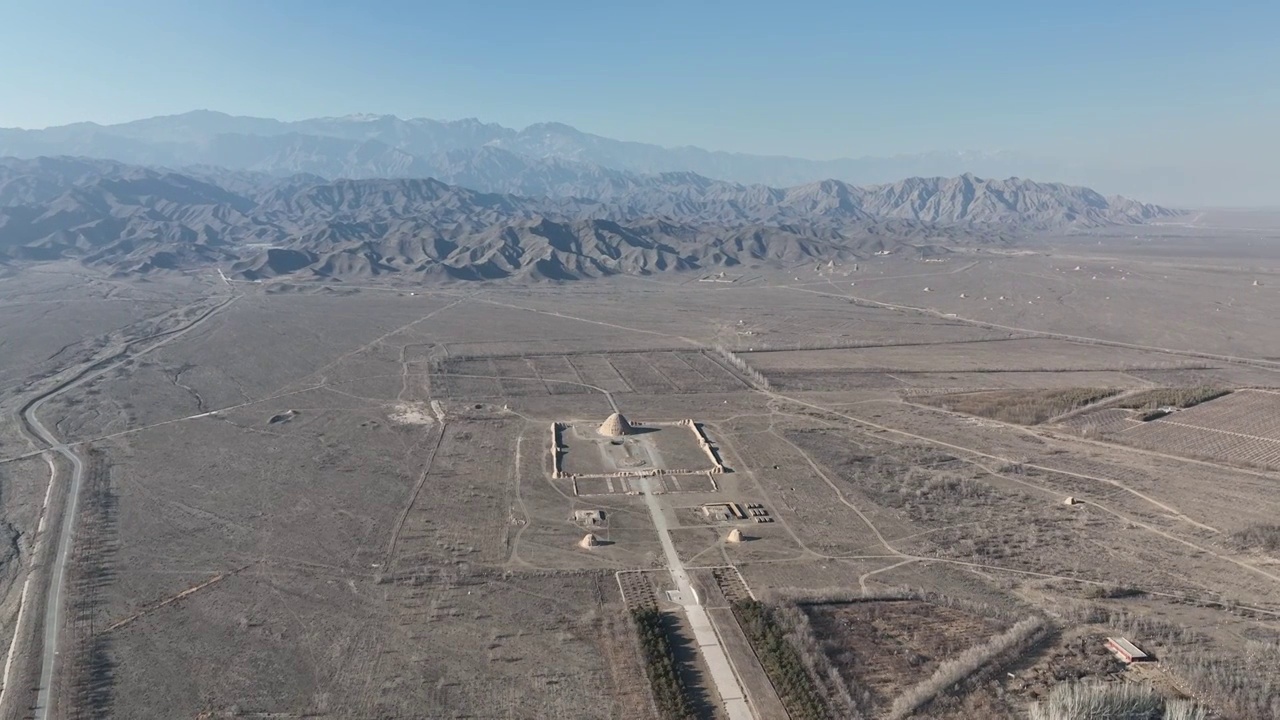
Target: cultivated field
column 1242, row 428
column 648, row 373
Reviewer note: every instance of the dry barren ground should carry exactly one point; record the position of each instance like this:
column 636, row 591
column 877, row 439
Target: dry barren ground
column 340, row 502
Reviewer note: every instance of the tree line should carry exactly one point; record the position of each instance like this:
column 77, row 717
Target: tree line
column 654, row 629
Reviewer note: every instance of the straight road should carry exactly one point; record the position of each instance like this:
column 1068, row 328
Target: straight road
column 721, row 670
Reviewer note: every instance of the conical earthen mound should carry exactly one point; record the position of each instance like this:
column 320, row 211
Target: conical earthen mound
column 589, row 541
column 616, row 425
column 735, row 536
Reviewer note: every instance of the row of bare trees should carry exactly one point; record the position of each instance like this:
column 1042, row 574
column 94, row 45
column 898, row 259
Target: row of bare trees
column 757, row 380
column 90, row 669
column 1114, row 701
column 953, row 671
column 1239, row 681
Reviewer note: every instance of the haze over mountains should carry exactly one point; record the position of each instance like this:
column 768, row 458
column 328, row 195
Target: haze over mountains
column 466, row 152
column 570, row 220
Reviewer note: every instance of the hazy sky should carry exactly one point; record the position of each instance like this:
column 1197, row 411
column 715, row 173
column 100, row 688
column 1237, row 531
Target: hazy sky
column 1084, row 79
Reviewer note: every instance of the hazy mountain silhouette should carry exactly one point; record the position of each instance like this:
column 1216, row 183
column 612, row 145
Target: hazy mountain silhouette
column 366, row 146
column 138, row 220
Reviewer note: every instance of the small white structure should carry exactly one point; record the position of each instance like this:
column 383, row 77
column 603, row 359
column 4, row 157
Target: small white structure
column 589, row 541
column 1125, row 650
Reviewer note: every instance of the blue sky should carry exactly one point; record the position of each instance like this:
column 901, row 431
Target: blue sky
column 815, row 79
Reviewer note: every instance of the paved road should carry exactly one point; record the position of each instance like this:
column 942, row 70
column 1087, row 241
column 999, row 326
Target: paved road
column 704, row 633
column 58, row 571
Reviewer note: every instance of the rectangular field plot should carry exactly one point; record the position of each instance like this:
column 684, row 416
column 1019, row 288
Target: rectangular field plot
column 640, row 374
column 886, row 646
column 467, row 379
column 1243, row 427
column 595, row 370
column 559, row 377
column 462, row 514
column 912, row 383
column 1021, row 355
column 1102, row 422
column 651, row 373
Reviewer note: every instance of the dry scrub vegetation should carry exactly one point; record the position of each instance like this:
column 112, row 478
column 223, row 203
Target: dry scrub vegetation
column 953, row 671
column 1020, row 407
column 1085, row 701
column 1259, row 537
column 780, row 656
column 1170, row 397
column 858, row 667
column 1238, row 681
column 843, row 656
column 968, row 515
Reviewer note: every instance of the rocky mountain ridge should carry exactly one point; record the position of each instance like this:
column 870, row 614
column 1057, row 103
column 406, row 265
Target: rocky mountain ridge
column 135, row 220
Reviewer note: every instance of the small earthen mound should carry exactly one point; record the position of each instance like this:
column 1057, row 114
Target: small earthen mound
column 283, row 417
column 589, row 541
column 735, row 536
column 1069, row 501
column 615, row 426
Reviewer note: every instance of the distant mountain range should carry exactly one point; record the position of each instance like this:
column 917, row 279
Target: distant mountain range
column 572, row 221
column 464, row 151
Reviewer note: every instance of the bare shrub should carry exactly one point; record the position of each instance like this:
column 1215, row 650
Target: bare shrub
column 1261, row 537
column 1171, row 397
column 970, row 661
column 1108, row 590
column 800, row 634
column 1184, row 710
column 1240, row 683
column 837, row 596
column 1127, row 701
column 1020, row 407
